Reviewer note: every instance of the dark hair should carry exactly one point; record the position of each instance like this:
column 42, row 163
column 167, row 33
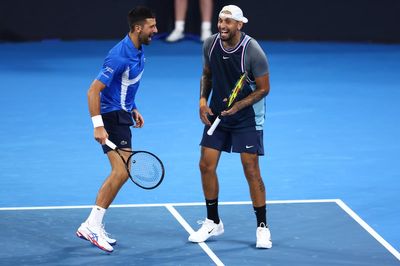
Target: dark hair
column 138, row 15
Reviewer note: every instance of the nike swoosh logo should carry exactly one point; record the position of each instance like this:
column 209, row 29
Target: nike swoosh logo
column 248, row 147
column 211, row 231
column 225, row 57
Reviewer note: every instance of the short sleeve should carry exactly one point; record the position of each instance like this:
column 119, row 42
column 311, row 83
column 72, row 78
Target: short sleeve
column 256, row 60
column 111, row 67
column 206, row 49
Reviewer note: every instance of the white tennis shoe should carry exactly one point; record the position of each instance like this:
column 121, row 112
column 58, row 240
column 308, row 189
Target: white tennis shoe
column 175, row 36
column 97, row 235
column 208, row 229
column 205, row 34
column 263, row 237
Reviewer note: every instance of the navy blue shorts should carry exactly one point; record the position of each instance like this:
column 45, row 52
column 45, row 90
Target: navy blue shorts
column 117, row 125
column 250, row 141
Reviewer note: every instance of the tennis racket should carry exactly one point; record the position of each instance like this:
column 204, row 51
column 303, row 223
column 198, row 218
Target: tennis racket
column 234, row 93
column 144, row 168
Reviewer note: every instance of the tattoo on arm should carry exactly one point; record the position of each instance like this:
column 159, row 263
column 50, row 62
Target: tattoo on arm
column 254, row 97
column 262, row 90
column 205, row 83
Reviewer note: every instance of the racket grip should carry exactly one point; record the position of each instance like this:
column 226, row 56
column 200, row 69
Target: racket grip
column 214, row 126
column 110, row 144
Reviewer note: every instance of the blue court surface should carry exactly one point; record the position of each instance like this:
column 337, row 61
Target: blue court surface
column 304, row 233
column 332, row 132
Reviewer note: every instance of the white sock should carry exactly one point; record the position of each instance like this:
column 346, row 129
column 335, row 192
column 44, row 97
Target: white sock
column 96, row 216
column 180, row 25
column 206, row 26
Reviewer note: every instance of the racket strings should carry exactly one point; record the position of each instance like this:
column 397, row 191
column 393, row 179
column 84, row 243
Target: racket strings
column 238, row 86
column 145, row 169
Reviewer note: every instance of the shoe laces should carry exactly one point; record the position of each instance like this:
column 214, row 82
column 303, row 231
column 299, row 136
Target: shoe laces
column 208, row 224
column 103, row 231
column 263, row 231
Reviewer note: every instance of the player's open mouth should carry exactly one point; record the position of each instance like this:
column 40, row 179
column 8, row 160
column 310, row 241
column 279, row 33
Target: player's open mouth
column 224, row 32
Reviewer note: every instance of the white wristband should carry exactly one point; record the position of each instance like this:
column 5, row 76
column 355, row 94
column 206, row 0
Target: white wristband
column 97, row 121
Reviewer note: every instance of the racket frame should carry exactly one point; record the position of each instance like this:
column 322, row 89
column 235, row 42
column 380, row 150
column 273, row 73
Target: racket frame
column 114, row 147
column 231, row 100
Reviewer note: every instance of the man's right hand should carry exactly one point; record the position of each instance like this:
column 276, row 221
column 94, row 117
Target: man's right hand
column 204, row 112
column 100, row 134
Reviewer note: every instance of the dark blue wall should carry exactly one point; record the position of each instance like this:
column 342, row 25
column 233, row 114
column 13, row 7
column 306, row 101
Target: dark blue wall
column 338, row 20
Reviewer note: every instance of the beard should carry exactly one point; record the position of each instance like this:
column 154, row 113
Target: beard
column 228, row 36
column 145, row 39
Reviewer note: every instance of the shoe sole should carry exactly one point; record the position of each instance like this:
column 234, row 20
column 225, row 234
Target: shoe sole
column 216, row 234
column 269, row 245
column 175, row 40
column 82, row 236
column 94, row 242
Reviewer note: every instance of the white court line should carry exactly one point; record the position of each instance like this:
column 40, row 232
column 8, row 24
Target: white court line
column 163, row 204
column 339, row 202
column 189, row 229
column 368, row 228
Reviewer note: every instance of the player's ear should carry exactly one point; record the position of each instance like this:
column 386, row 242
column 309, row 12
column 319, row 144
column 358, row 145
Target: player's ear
column 137, row 28
column 240, row 25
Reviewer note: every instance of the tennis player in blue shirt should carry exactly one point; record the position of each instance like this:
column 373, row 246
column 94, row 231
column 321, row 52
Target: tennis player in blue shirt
column 111, row 99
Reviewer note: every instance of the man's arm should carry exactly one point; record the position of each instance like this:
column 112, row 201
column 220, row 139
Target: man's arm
column 262, row 90
column 100, row 134
column 257, row 64
column 205, row 90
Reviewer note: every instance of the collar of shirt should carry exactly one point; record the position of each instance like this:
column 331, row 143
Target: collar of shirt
column 131, row 48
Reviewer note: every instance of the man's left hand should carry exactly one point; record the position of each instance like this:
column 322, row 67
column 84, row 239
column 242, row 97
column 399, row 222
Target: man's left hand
column 138, row 118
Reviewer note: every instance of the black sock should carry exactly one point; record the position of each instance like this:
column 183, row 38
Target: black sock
column 212, row 210
column 261, row 214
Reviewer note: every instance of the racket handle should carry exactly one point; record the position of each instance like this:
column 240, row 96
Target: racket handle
column 110, row 144
column 214, row 126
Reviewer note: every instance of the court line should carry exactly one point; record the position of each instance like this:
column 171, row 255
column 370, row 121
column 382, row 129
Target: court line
column 164, row 204
column 339, row 202
column 190, row 230
column 368, row 228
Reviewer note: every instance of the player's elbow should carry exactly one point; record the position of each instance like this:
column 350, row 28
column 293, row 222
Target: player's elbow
column 95, row 88
column 262, row 84
column 265, row 91
column 91, row 92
